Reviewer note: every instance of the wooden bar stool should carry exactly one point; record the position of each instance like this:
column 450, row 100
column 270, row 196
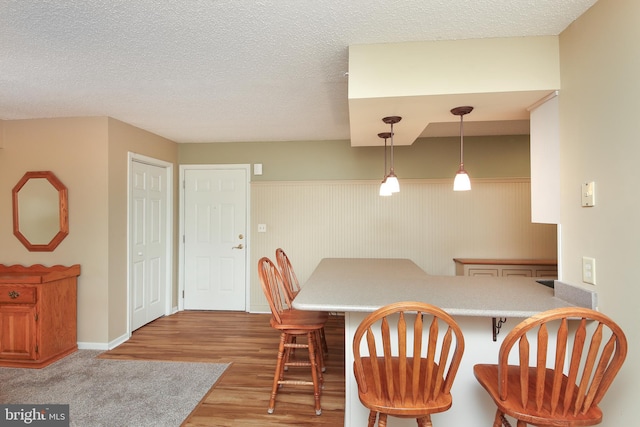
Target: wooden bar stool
column 411, row 375
column 292, row 287
column 292, row 324
column 583, row 361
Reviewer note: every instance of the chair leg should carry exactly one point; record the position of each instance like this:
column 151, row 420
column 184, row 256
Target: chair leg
column 279, row 373
column 424, row 421
column 382, row 420
column 321, row 366
column 316, row 373
column 325, row 347
column 502, row 421
column 317, row 336
column 372, row 418
column 289, row 352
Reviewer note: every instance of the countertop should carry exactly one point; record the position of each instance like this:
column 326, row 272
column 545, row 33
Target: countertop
column 366, row 284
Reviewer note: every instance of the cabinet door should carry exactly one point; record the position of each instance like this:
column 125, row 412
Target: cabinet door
column 482, row 271
column 18, row 332
column 517, row 271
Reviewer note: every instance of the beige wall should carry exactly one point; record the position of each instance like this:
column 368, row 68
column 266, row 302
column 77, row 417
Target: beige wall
column 485, row 157
column 75, row 150
column 89, row 155
column 599, row 130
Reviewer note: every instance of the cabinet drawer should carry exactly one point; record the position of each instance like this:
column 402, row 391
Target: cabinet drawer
column 14, row 294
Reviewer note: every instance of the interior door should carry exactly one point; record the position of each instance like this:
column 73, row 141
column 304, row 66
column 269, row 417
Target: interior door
column 215, row 224
column 148, row 239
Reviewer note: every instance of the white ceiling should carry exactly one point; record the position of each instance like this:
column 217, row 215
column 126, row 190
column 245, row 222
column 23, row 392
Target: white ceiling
column 231, row 70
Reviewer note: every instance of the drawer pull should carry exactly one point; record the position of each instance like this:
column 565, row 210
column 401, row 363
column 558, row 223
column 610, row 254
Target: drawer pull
column 14, row 294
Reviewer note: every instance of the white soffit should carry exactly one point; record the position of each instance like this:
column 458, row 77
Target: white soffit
column 422, row 82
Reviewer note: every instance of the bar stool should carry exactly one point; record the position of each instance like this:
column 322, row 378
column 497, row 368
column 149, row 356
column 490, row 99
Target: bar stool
column 292, row 324
column 400, row 381
column 566, row 394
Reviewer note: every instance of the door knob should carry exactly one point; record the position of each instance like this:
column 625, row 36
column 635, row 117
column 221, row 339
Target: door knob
column 240, row 246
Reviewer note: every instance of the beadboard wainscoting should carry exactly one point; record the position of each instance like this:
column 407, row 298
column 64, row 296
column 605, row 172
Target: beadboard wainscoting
column 426, row 222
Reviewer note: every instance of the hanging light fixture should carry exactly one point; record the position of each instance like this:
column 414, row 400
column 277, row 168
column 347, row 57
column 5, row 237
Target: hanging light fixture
column 461, row 182
column 392, row 179
column 384, row 188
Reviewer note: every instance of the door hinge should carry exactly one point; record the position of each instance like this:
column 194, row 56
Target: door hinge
column 37, row 348
column 182, row 294
column 36, row 316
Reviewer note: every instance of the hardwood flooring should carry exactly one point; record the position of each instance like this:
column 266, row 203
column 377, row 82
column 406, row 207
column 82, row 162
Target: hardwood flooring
column 245, row 340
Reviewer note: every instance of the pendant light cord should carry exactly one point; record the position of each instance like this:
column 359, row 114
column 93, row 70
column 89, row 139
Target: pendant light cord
column 461, row 141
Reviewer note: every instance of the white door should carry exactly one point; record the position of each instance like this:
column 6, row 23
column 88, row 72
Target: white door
column 148, row 239
column 215, row 227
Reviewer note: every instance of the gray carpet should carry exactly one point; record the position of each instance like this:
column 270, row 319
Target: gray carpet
column 113, row 393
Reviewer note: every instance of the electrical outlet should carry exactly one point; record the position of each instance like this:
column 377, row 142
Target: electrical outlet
column 589, row 270
column 262, row 228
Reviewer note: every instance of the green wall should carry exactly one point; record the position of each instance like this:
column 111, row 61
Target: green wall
column 434, row 158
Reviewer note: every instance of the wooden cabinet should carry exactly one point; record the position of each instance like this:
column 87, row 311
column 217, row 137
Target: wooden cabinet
column 507, row 267
column 38, row 311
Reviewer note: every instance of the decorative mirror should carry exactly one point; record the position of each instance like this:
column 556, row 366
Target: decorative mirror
column 40, row 211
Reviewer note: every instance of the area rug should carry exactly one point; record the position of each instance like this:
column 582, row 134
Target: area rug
column 109, row 393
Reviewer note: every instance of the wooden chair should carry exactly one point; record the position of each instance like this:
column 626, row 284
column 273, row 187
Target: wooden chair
column 292, row 286
column 292, row 324
column 585, row 357
column 407, row 381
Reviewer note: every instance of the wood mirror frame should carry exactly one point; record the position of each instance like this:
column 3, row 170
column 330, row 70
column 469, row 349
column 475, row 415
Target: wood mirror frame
column 62, row 211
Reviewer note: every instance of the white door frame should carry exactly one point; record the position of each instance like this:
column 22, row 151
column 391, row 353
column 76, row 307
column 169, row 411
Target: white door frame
column 169, row 247
column 181, row 250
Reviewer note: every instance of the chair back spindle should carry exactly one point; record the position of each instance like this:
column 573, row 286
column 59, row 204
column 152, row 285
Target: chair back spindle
column 289, row 278
column 273, row 287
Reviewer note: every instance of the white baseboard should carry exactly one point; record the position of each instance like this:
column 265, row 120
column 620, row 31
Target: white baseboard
column 103, row 346
column 113, row 344
column 93, row 346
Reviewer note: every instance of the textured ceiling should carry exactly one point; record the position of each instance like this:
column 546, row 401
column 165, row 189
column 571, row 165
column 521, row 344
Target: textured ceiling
column 227, row 70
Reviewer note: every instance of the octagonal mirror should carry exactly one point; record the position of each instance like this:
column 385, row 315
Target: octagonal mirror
column 40, row 211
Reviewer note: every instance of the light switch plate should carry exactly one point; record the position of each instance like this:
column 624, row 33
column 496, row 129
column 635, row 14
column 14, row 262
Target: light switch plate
column 588, row 194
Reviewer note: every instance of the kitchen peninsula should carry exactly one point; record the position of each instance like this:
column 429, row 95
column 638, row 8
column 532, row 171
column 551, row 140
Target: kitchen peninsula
column 358, row 286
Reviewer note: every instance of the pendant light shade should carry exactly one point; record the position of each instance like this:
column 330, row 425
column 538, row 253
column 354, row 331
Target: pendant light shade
column 461, row 181
column 391, row 178
column 385, row 190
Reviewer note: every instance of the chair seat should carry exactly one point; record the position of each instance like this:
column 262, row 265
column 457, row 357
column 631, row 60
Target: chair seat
column 300, row 320
column 487, row 376
column 410, row 408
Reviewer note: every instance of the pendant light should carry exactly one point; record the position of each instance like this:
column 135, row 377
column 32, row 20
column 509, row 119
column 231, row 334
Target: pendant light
column 392, row 179
column 461, row 182
column 384, row 188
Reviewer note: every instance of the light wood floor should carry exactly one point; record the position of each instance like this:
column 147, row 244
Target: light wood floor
column 246, row 341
